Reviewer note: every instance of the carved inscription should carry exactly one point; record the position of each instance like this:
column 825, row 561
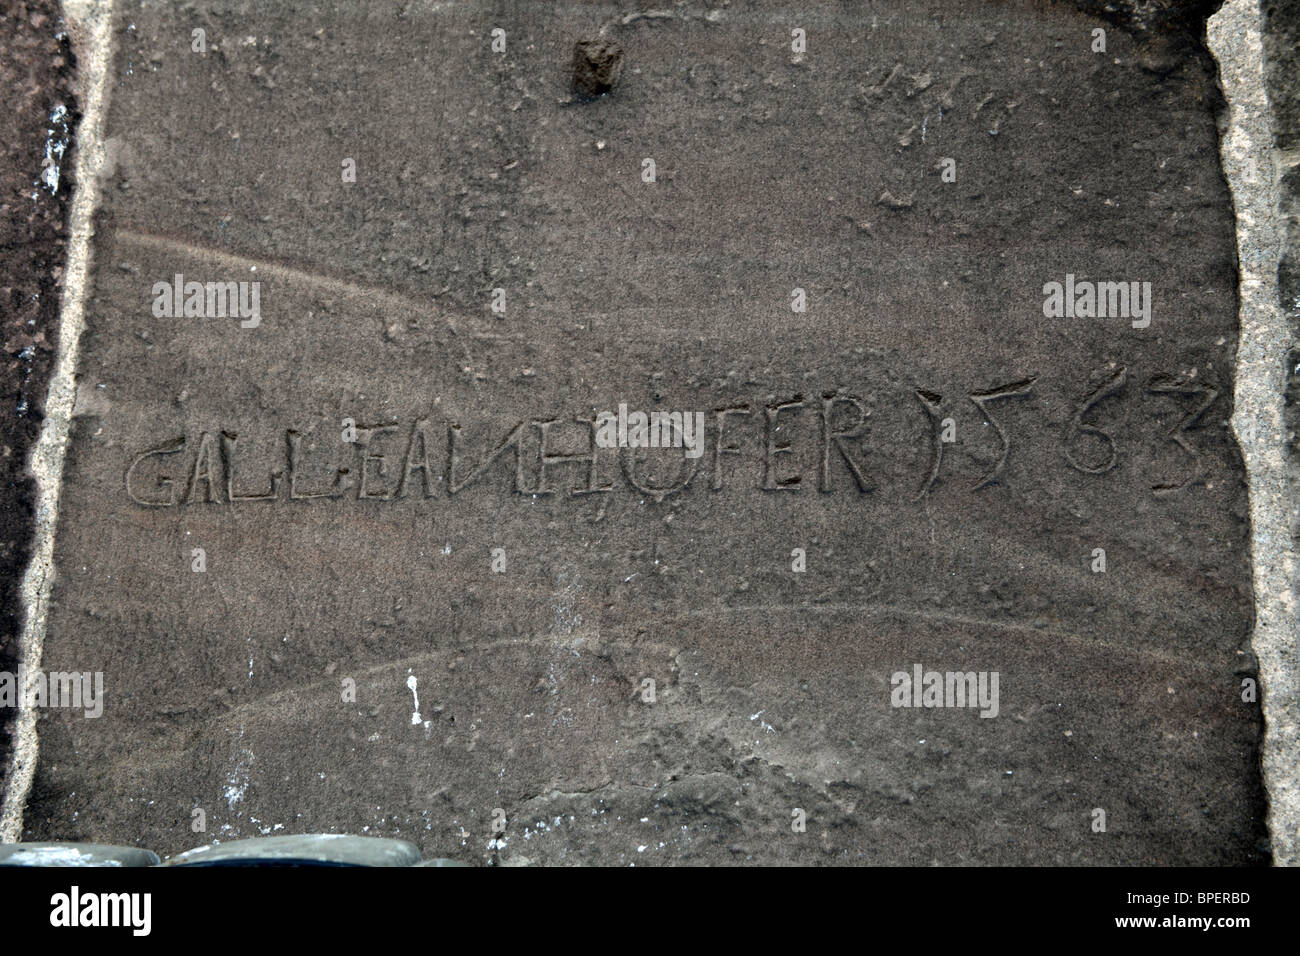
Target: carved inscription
column 544, row 456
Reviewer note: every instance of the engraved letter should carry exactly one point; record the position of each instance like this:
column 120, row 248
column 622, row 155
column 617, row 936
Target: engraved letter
column 413, row 464
column 204, row 468
column 164, row 481
column 770, row 483
column 367, row 458
column 719, row 448
column 837, row 437
column 684, row 476
column 511, row 442
column 228, row 459
column 295, row 444
column 588, row 457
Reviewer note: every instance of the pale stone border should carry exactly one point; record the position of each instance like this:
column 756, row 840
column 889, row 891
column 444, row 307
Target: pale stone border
column 1246, row 147
column 89, row 25
column 1235, row 39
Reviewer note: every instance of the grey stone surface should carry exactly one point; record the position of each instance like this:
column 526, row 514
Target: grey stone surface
column 522, row 691
column 74, row 854
column 312, row 849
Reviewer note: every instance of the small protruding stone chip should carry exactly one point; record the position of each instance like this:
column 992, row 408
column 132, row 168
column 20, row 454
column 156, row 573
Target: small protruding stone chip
column 597, row 64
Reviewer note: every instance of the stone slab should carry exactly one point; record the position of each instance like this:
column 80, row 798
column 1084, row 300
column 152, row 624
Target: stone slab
column 523, row 690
